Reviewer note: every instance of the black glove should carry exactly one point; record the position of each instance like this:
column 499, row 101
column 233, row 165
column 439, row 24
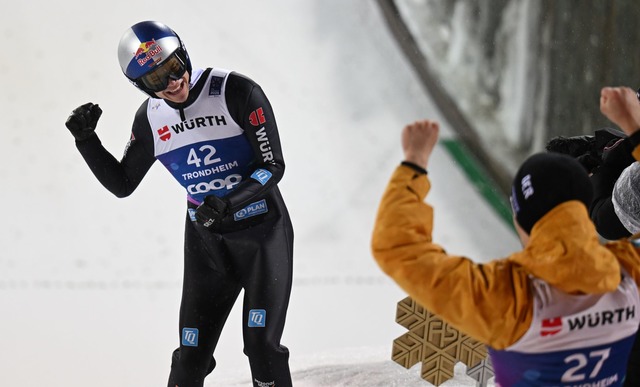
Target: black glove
column 212, row 210
column 594, row 151
column 582, row 148
column 589, row 162
column 83, row 120
column 573, row 146
column 617, row 154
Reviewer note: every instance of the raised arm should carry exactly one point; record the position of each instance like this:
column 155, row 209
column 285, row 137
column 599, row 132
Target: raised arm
column 120, row 177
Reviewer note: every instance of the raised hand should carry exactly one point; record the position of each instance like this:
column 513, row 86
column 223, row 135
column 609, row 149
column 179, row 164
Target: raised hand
column 621, row 106
column 83, row 120
column 418, row 141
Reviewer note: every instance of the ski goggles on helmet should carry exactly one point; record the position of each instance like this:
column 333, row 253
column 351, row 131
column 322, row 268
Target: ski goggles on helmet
column 158, row 79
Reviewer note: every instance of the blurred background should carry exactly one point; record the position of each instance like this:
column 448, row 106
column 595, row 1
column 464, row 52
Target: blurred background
column 520, row 72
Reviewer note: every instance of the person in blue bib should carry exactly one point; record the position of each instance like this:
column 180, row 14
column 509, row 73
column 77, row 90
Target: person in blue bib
column 215, row 131
column 563, row 311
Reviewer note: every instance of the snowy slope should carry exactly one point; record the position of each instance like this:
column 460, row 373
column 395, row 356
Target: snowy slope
column 90, row 284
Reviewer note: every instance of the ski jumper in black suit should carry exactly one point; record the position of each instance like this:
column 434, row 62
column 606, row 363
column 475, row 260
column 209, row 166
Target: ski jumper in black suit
column 222, row 141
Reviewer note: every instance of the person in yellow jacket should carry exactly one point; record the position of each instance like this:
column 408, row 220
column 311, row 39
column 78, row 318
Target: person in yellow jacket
column 562, row 312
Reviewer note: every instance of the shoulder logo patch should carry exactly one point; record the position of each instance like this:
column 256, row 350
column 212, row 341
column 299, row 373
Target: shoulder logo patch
column 215, row 87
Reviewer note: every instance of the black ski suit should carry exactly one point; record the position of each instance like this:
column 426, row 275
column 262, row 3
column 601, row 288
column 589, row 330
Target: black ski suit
column 222, row 141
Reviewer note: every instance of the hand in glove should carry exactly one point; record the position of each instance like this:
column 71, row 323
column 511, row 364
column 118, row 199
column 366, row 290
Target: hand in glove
column 212, row 210
column 617, row 154
column 574, row 146
column 593, row 151
column 83, row 120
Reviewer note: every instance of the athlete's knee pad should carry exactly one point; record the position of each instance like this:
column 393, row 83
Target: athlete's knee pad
column 265, row 351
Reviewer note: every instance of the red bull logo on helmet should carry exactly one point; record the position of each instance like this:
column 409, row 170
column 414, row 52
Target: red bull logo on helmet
column 146, row 52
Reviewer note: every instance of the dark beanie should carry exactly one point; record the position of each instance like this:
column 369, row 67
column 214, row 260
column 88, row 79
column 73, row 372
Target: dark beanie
column 544, row 181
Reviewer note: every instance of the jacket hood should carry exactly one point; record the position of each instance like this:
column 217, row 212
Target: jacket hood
column 565, row 251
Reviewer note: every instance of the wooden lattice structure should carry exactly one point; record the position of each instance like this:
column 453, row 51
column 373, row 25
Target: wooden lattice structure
column 437, row 345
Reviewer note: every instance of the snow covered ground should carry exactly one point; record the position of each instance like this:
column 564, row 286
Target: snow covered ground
column 90, row 284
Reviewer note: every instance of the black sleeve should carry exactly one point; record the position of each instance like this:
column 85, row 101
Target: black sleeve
column 601, row 210
column 603, row 180
column 250, row 108
column 122, row 177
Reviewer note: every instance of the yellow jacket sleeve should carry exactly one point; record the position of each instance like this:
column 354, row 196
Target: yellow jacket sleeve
column 627, row 251
column 489, row 302
column 636, row 152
